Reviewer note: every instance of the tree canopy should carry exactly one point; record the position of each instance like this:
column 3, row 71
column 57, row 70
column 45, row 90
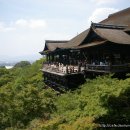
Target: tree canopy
column 26, row 103
column 22, row 64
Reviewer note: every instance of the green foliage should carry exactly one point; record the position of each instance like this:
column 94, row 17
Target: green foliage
column 5, row 76
column 2, row 66
column 22, row 64
column 23, row 97
column 100, row 101
column 3, row 71
column 26, row 104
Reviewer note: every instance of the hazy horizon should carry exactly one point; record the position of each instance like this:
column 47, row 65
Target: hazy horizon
column 10, row 59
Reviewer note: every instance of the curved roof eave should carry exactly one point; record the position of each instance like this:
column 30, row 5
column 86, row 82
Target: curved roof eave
column 52, row 45
column 113, row 35
column 77, row 40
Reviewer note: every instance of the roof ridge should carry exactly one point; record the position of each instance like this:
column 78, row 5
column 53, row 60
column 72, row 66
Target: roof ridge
column 56, row 41
column 108, row 26
column 118, row 12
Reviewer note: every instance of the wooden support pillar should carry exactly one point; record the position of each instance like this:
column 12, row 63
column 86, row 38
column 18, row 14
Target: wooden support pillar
column 67, row 58
column 110, row 61
column 52, row 57
column 67, row 69
column 60, row 58
column 49, row 57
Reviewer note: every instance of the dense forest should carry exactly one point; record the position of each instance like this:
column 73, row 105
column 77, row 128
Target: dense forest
column 27, row 104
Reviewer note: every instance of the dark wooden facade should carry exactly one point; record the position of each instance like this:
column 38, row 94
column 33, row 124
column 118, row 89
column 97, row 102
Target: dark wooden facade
column 101, row 49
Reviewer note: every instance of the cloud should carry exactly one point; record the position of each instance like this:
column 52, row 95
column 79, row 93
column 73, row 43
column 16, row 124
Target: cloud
column 101, row 13
column 33, row 23
column 4, row 28
column 37, row 24
column 1, row 26
column 23, row 23
column 100, row 2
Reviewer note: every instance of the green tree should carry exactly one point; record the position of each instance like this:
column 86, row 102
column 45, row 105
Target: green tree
column 22, row 64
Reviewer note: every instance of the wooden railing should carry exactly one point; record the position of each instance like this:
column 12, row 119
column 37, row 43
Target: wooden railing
column 98, row 67
column 60, row 68
column 109, row 68
column 120, row 68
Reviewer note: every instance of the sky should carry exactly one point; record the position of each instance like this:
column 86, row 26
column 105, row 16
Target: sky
column 26, row 24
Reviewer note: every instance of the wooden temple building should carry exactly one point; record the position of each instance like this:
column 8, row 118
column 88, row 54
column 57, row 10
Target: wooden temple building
column 102, row 49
